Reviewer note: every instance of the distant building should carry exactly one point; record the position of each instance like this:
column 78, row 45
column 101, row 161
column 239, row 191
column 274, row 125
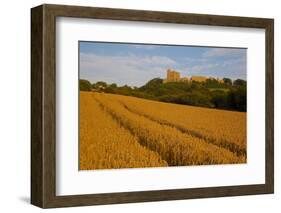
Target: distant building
column 174, row 76
column 184, row 79
column 199, row 78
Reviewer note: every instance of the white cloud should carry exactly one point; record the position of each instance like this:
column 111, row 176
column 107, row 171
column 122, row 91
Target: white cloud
column 130, row 69
column 223, row 52
column 203, row 67
column 195, row 60
column 136, row 70
column 127, row 59
column 233, row 68
column 231, row 62
column 144, row 46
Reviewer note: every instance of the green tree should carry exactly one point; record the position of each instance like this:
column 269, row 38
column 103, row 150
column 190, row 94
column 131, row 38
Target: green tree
column 211, row 93
column 100, row 84
column 85, row 85
column 227, row 81
column 240, row 96
column 153, row 83
column 219, row 99
column 113, row 86
column 239, row 82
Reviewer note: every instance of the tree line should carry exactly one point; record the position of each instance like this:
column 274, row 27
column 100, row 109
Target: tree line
column 229, row 95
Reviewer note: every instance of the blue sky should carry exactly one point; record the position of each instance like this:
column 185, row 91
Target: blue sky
column 135, row 64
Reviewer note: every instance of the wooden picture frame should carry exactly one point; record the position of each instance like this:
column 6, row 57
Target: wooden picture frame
column 43, row 105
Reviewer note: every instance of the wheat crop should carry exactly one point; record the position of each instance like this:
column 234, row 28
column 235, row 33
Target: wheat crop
column 220, row 127
column 125, row 132
column 175, row 147
column 104, row 144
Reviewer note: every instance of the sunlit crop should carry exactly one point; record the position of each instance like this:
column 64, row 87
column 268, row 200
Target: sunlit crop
column 124, row 132
column 104, row 144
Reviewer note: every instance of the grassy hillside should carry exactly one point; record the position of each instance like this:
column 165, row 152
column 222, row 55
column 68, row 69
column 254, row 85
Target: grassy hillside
column 211, row 94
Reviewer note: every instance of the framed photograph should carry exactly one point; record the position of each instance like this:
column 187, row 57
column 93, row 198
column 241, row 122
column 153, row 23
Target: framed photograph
column 136, row 106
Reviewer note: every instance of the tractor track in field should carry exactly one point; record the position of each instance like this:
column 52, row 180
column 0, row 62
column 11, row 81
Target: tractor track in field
column 222, row 143
column 144, row 141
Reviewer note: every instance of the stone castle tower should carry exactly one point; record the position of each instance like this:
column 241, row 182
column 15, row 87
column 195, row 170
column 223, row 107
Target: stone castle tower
column 173, row 76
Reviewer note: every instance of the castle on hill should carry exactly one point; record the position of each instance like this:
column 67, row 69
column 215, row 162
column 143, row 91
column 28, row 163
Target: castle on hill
column 174, row 76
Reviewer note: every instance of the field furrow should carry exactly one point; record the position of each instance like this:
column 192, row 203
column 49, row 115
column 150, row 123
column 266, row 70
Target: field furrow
column 174, row 146
column 226, row 129
column 104, row 144
column 222, row 143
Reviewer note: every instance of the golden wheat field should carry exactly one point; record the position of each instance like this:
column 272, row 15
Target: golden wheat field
column 126, row 132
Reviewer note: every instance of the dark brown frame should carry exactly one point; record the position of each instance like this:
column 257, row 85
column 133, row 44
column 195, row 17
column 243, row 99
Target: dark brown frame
column 43, row 105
